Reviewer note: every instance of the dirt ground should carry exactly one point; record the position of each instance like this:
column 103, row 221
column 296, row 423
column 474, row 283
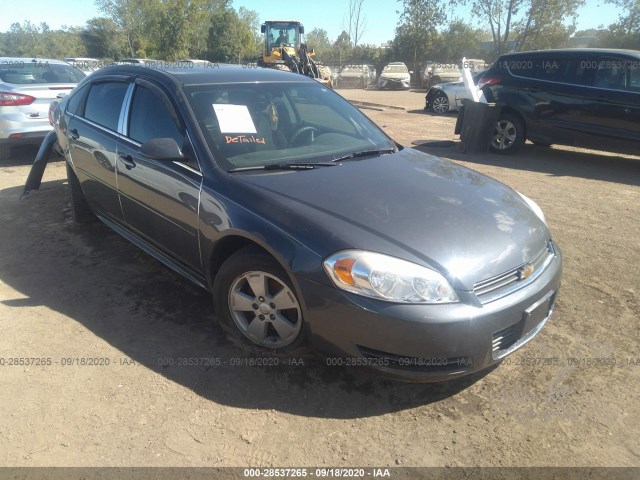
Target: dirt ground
column 68, row 293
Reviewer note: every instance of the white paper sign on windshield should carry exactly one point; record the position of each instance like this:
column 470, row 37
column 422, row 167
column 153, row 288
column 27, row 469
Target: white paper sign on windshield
column 234, row 118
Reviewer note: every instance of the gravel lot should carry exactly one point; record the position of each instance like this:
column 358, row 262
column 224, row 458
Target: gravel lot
column 67, row 292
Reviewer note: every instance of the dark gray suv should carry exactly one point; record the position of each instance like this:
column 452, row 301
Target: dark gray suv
column 578, row 97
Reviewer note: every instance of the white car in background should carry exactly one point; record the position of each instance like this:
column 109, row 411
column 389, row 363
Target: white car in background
column 27, row 87
column 87, row 65
column 447, row 97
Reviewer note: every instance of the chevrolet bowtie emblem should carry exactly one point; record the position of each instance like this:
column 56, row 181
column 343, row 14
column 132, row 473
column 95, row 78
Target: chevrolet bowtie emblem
column 525, row 271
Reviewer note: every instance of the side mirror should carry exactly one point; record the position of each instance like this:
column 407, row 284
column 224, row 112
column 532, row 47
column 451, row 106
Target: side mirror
column 301, row 30
column 61, row 95
column 161, row 149
column 263, row 28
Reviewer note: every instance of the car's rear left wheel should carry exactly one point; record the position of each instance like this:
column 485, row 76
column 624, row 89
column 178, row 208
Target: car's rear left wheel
column 256, row 303
column 508, row 135
column 79, row 207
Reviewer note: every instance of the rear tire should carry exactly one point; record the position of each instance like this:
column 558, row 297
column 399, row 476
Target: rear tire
column 80, row 209
column 256, row 303
column 508, row 135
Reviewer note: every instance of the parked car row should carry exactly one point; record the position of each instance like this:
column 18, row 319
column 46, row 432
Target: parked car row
column 356, row 76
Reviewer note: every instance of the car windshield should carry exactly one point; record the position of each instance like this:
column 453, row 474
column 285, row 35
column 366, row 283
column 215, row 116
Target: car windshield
column 353, row 69
column 20, row 72
column 251, row 125
column 395, row 69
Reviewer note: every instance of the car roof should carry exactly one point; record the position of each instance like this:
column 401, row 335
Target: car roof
column 31, row 60
column 634, row 53
column 195, row 74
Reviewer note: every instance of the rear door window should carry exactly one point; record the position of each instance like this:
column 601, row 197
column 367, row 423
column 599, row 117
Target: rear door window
column 104, row 103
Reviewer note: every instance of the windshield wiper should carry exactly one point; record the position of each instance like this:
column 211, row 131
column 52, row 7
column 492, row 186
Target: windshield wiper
column 283, row 166
column 363, row 153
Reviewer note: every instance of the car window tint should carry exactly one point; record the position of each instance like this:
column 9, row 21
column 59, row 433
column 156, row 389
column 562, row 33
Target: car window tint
column 610, row 73
column 150, row 118
column 104, row 103
column 76, row 98
column 25, row 73
column 633, row 77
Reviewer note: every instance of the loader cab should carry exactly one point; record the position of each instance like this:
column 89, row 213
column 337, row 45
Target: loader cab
column 281, row 34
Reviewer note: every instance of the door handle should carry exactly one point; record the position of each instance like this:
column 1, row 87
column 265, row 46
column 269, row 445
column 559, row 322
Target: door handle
column 74, row 134
column 127, row 160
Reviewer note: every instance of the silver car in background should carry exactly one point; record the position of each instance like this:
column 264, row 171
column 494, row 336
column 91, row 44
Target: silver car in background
column 448, row 97
column 27, row 87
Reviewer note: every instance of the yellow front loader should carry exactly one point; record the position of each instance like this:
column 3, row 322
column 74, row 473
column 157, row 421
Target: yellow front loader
column 284, row 50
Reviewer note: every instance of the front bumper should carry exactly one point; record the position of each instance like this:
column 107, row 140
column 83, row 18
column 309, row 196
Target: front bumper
column 427, row 342
column 431, row 94
column 394, row 84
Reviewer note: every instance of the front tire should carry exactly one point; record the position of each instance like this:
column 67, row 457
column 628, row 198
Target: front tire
column 440, row 104
column 508, row 135
column 256, row 303
column 80, row 209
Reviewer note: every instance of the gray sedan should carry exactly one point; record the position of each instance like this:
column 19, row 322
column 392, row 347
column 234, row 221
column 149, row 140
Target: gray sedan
column 306, row 222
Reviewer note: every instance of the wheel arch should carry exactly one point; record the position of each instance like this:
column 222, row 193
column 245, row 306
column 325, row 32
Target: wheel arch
column 235, row 241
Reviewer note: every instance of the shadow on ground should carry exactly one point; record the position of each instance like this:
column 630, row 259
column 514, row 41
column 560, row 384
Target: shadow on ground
column 147, row 312
column 552, row 161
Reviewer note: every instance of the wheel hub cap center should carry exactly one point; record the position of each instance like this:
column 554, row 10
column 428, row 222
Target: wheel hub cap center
column 265, row 309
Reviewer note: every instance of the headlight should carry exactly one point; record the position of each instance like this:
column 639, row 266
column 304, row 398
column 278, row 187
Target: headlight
column 534, row 206
column 387, row 278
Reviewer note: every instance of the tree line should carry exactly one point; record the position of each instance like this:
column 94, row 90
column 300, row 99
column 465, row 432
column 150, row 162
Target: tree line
column 214, row 30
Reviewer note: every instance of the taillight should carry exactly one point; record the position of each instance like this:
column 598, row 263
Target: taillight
column 483, row 82
column 15, row 99
column 52, row 107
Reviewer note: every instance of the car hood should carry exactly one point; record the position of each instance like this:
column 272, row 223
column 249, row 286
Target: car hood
column 409, row 205
column 395, row 76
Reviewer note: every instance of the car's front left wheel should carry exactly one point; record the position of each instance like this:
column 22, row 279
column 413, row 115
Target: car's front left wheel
column 256, row 303
column 440, row 103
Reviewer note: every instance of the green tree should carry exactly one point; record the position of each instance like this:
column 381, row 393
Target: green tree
column 416, row 32
column 102, row 39
column 134, row 19
column 625, row 33
column 250, row 19
column 318, row 40
column 229, row 39
column 457, row 41
column 342, row 48
column 544, row 24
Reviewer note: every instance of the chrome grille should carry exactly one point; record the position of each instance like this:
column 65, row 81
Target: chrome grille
column 496, row 287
